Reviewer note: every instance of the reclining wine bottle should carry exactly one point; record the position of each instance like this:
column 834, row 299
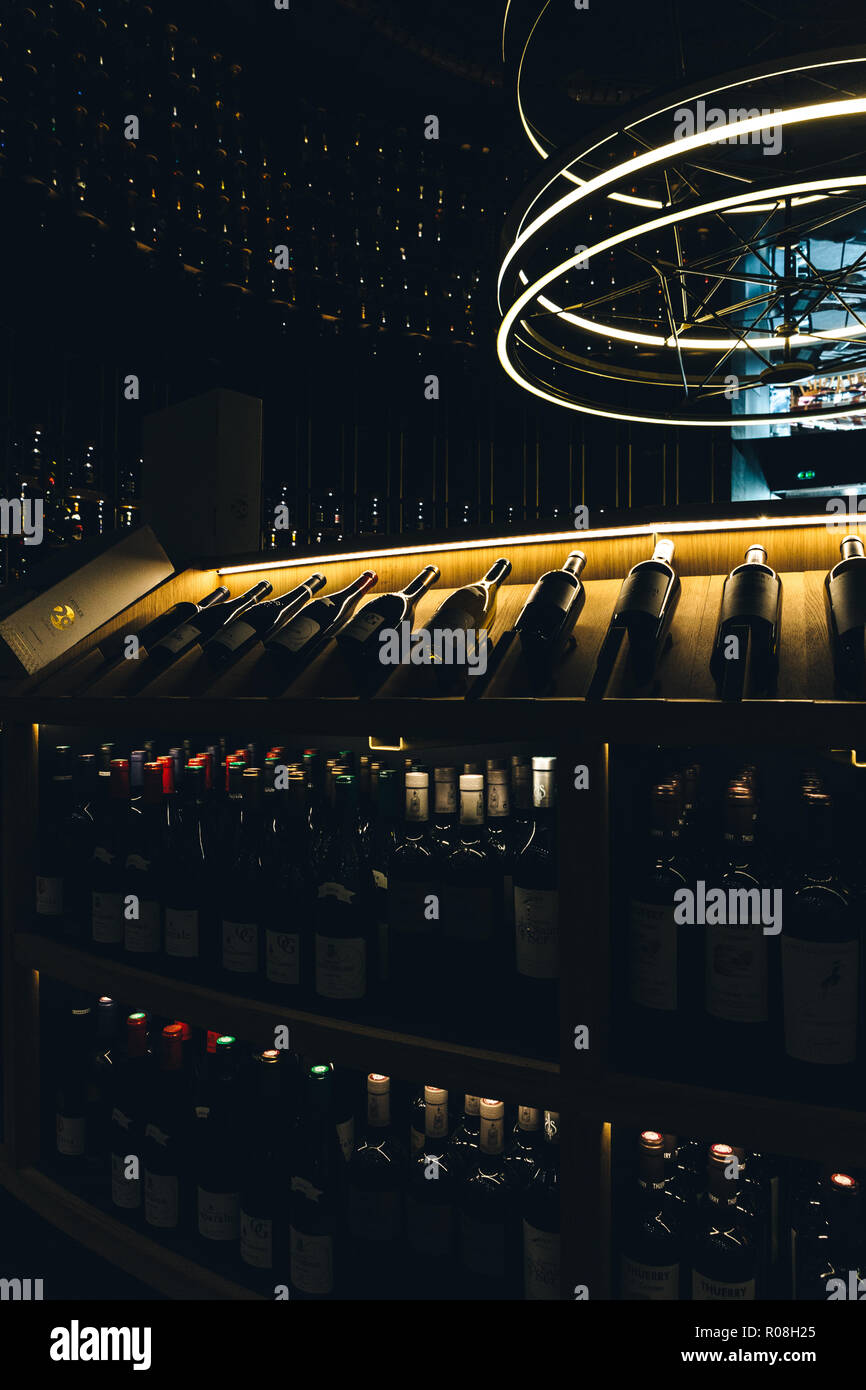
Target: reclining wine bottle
column 549, row 614
column 747, row 638
column 469, row 610
column 199, row 628
column 359, row 640
column 845, row 599
column 644, row 609
column 241, row 633
column 173, row 617
column 293, row 644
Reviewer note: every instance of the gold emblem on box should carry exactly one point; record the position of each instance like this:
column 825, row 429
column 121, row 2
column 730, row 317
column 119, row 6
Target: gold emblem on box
column 62, row 616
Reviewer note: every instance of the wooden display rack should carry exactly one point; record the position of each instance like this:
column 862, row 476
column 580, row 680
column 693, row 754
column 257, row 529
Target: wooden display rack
column 679, row 709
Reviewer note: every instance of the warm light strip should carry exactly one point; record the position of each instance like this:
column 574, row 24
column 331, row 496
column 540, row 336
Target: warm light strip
column 574, row 538
column 677, row 148
column 658, row 222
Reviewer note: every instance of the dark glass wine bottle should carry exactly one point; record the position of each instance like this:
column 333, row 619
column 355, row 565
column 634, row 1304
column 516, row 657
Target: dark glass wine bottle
column 827, row 1247
column 217, row 1157
column 375, row 1194
column 723, row 1248
column 536, row 913
column 318, row 1179
column 547, row 619
column 264, row 1191
column 414, row 940
column 288, row 905
column 359, row 640
column 430, row 1195
column 463, row 1145
column 187, row 906
column 520, row 1154
column 487, row 1234
column 129, row 1099
column 473, row 948
column 144, row 867
column 645, row 608
column 292, row 645
column 242, row 632
column 107, row 869
column 540, row 1214
column 845, row 604
column 445, row 817
column 750, row 615
column 166, row 1141
column 54, row 864
column 383, row 840
column 653, row 1229
column 345, row 968
column 197, row 629
column 174, row 617
column 70, row 1107
column 245, row 893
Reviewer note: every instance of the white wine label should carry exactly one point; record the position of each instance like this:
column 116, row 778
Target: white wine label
column 182, row 636
column 469, row 912
column 374, row 1216
column 257, row 1241
column 472, row 1105
column 346, row 1136
column 297, row 633
column 528, row 1118
column 161, row 1200
column 492, row 1134
column 429, row 1227
column 236, row 633
column 70, row 1136
column 341, row 967
column 218, row 1215
column 336, row 890
column 143, row 936
column 107, row 918
column 436, row 1118
column 49, row 897
column 471, row 808
column 820, row 985
column 406, row 902
column 125, row 1192
column 240, row 947
column 736, row 980
column 653, row 1283
column 540, row 1263
column 482, row 1247
column 652, row 955
column 706, row 1290
column 444, row 798
column 497, row 800
column 380, row 879
column 283, row 957
column 363, row 626
column 536, row 932
column 417, row 803
column 181, row 932
column 312, row 1263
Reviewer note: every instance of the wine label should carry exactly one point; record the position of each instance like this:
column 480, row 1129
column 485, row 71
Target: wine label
column 652, row 955
column 107, row 918
column 736, row 977
column 161, row 1200
column 182, row 637
column 374, row 1216
column 70, row 1135
column 471, row 808
column 49, row 897
column 363, row 626
column 540, row 1263
column 283, row 957
column 144, row 936
column 444, row 798
column 380, row 880
column 341, row 967
column 125, row 1192
column 336, row 890
column 470, row 912
column 492, row 1134
column 536, row 932
column 497, row 800
column 240, row 947
column 218, row 1215
column 257, row 1241
column 406, row 907
column 706, row 1290
column 137, row 861
column 312, row 1262
column 181, row 932
column 429, row 1227
column 296, row 634
column 643, row 592
column 417, row 803
column 482, row 1247
column 346, row 1136
column 819, row 984
column 236, row 633
column 649, row 1283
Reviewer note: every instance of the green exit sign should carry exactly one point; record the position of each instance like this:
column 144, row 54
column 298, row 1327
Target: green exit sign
column 810, row 473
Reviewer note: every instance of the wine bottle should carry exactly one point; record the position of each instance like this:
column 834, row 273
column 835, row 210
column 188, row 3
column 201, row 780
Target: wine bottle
column 501, row 840
column 463, row 1145
column 488, row 1250
column 547, row 619
column 445, row 819
column 473, row 945
column 245, row 893
column 263, row 1204
column 142, row 889
column 107, row 870
column 70, row 1105
column 520, row 1155
column 644, row 610
column 186, row 886
column 291, row 645
column 345, row 968
column 384, row 837
column 469, row 609
column 288, row 905
column 359, row 640
column 375, row 1193
column 536, row 911
column 217, row 1157
column 414, row 940
column 845, row 605
column 747, row 637
column 821, row 958
column 165, row 1151
column 317, row 1189
column 129, row 1090
column 54, row 866
column 197, row 629
column 430, row 1192
column 540, row 1218
column 653, row 1230
column 827, row 1241
column 174, row 617
column 241, row 633
column 723, row 1248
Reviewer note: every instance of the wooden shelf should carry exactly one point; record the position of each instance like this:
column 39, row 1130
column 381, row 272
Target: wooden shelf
column 359, row 1045
column 153, row 1264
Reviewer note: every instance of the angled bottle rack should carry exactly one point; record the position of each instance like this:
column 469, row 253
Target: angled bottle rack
column 679, row 707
